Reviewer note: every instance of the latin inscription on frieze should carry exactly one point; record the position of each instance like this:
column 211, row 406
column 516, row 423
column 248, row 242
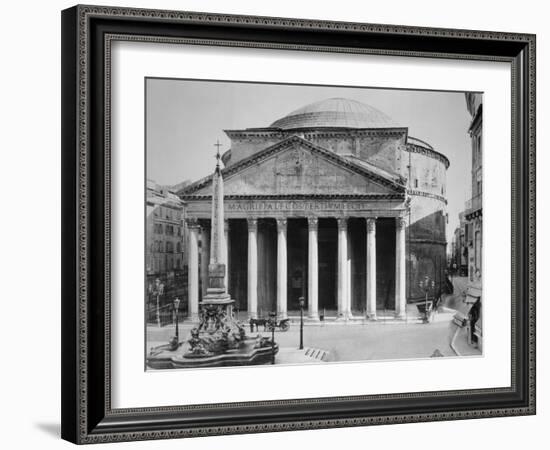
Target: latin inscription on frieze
column 292, row 205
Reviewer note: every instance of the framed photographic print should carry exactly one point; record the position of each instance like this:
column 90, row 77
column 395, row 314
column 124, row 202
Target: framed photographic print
column 281, row 224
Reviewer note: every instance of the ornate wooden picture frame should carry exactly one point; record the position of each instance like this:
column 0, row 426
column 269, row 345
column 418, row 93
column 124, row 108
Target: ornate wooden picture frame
column 88, row 33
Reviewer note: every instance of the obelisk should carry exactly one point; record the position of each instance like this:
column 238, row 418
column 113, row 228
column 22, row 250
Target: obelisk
column 216, row 292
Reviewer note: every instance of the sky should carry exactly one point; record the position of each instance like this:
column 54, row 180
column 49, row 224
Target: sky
column 185, row 118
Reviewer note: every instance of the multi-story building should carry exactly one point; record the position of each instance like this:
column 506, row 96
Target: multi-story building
column 473, row 215
column 165, row 242
column 459, row 253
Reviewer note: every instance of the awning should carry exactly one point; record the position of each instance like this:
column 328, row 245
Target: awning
column 473, row 294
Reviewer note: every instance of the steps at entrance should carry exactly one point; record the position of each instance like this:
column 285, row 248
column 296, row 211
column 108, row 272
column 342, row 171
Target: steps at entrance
column 381, row 319
column 316, row 353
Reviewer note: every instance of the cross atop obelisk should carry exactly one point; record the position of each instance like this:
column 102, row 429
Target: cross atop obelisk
column 217, row 145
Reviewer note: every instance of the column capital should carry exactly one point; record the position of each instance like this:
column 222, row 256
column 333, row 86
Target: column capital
column 342, row 223
column 400, row 222
column 371, row 224
column 312, row 222
column 252, row 223
column 192, row 223
column 205, row 224
column 281, row 224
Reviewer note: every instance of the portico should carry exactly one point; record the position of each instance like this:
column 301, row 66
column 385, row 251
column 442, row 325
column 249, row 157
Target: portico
column 335, row 262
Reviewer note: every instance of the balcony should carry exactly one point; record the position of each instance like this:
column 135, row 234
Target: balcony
column 473, row 205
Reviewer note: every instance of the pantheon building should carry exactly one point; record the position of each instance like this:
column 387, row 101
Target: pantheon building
column 335, row 203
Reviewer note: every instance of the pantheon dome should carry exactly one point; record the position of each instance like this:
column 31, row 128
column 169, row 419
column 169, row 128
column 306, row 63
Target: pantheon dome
column 335, row 113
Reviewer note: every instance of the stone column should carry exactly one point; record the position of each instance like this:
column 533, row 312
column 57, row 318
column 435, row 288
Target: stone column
column 253, row 268
column 205, row 256
column 225, row 255
column 193, row 270
column 282, row 284
column 313, row 269
column 400, row 270
column 371, row 269
column 343, row 301
column 349, row 280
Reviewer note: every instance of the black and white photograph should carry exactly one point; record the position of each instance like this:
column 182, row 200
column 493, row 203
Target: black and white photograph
column 275, row 225
column 305, row 224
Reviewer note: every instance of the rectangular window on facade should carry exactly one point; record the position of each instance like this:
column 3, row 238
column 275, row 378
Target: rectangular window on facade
column 479, row 181
column 478, row 250
column 479, row 149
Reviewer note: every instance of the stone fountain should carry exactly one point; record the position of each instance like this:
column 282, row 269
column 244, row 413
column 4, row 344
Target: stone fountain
column 219, row 339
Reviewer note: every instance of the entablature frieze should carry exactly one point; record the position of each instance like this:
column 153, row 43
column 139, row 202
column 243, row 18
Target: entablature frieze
column 279, row 208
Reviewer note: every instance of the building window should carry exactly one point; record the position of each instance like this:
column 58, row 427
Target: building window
column 416, row 182
column 479, row 181
column 479, row 149
column 178, row 247
column 478, row 250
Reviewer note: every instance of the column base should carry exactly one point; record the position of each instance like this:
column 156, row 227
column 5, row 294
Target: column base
column 372, row 317
column 193, row 317
column 401, row 316
column 344, row 317
column 314, row 317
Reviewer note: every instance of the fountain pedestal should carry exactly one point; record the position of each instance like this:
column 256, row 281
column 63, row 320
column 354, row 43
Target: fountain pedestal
column 218, row 340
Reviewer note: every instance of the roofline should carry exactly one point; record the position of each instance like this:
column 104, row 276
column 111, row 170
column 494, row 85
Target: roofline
column 476, row 118
column 309, row 129
column 429, row 150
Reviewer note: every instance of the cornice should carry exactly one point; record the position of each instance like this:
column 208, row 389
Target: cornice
column 414, row 148
column 316, row 132
column 373, row 197
column 427, row 194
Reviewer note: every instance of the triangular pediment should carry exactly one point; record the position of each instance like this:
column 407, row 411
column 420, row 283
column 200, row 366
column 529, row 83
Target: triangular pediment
column 297, row 167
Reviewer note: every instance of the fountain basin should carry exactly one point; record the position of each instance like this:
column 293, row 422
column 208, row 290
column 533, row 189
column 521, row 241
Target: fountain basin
column 247, row 354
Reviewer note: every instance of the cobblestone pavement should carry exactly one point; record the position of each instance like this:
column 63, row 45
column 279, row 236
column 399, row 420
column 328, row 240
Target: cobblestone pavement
column 359, row 342
column 454, row 300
